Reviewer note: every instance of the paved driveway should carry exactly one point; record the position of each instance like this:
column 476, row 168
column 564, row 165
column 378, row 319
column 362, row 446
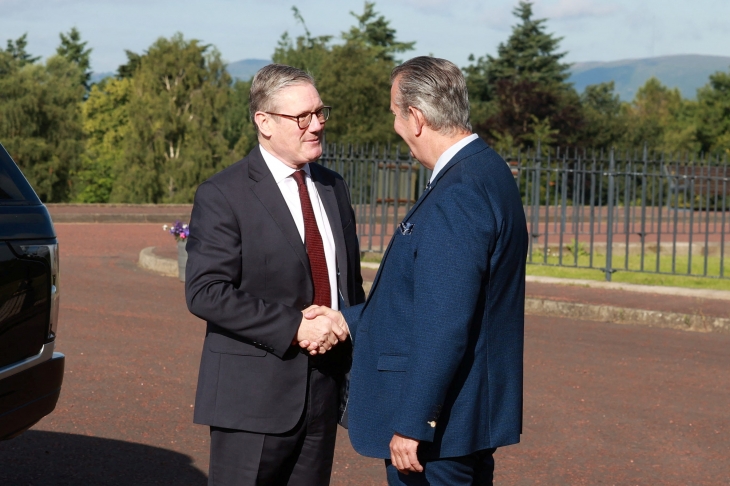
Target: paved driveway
column 605, row 404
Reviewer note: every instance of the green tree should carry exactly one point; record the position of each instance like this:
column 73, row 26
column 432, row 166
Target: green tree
column 106, row 123
column 16, row 50
column 604, row 123
column 239, row 132
column 40, row 120
column 713, row 114
column 352, row 76
column 374, row 31
column 660, row 118
column 175, row 139
column 170, row 119
column 76, row 52
column 523, row 92
column 528, row 55
column 305, row 52
column 128, row 69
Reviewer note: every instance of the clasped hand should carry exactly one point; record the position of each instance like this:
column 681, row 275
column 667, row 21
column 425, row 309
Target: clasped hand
column 321, row 329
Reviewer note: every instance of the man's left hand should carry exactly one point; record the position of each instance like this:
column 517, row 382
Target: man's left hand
column 403, row 454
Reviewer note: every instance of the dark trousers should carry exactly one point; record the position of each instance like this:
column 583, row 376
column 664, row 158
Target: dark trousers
column 300, row 457
column 476, row 469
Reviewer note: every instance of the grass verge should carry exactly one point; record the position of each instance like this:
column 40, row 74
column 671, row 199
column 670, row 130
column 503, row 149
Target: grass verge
column 551, row 269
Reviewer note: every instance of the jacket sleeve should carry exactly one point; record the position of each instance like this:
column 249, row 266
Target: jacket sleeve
column 213, row 275
column 450, row 269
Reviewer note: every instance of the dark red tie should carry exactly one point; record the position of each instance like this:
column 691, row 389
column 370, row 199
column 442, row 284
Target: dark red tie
column 313, row 243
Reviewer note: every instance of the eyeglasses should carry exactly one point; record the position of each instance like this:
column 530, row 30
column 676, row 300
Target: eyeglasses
column 305, row 119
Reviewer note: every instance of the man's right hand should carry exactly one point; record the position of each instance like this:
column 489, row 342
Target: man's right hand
column 320, row 331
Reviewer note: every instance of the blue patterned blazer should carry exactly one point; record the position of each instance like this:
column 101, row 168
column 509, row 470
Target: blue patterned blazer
column 438, row 344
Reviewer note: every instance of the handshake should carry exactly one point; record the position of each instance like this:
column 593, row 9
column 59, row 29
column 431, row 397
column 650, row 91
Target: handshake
column 321, row 329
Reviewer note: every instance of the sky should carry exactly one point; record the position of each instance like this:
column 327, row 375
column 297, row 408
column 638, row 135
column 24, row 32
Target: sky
column 592, row 30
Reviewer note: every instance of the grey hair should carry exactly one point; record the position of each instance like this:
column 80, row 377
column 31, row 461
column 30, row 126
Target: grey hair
column 268, row 81
column 437, row 88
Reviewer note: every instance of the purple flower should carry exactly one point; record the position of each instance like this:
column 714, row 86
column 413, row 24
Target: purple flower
column 179, row 230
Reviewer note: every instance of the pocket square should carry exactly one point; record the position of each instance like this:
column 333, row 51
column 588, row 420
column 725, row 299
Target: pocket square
column 406, row 228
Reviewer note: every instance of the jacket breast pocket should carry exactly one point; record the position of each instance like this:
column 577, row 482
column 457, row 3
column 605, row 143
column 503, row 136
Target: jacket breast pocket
column 217, row 343
column 393, row 362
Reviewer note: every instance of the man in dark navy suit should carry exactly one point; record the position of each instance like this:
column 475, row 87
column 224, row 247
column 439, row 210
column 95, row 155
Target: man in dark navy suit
column 269, row 236
column 436, row 380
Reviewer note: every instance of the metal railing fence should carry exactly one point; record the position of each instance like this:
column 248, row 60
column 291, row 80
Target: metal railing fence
column 609, row 211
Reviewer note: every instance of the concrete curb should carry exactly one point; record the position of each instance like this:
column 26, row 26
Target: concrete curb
column 164, row 266
column 124, row 218
column 648, row 289
column 623, row 315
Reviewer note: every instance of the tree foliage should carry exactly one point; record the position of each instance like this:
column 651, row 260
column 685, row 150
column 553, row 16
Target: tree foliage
column 353, row 76
column 172, row 116
column 40, row 119
column 76, row 52
column 713, row 114
column 602, row 115
column 165, row 123
column 661, row 119
column 522, row 95
column 16, row 50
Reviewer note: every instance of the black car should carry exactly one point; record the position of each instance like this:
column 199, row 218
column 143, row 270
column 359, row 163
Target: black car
column 31, row 372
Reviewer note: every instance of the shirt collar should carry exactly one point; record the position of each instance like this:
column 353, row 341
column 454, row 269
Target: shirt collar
column 279, row 169
column 449, row 154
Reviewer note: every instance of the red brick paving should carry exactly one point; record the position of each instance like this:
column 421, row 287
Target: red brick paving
column 604, row 404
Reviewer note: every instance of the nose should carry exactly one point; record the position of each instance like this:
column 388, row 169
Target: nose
column 315, row 125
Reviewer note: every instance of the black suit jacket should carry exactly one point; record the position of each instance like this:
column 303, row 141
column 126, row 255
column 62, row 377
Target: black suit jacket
column 248, row 276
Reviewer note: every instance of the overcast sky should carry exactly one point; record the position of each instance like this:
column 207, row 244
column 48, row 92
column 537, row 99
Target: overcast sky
column 593, row 30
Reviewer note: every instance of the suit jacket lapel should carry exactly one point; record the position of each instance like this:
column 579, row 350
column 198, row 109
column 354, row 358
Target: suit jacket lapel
column 329, row 201
column 270, row 196
column 387, row 250
column 473, row 147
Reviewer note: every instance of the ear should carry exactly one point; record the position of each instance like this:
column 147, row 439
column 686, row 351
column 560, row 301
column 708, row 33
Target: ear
column 416, row 120
column 263, row 121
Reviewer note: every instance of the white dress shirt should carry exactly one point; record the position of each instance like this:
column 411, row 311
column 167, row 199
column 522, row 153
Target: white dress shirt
column 449, row 154
column 290, row 190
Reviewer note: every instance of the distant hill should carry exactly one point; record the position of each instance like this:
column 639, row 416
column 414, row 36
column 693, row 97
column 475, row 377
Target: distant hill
column 98, row 77
column 245, row 69
column 686, row 72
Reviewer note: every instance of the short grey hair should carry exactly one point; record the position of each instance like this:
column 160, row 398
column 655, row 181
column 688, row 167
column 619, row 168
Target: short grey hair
column 268, row 81
column 437, row 88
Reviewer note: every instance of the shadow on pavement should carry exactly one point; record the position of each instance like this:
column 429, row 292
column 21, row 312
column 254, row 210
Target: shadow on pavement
column 41, row 458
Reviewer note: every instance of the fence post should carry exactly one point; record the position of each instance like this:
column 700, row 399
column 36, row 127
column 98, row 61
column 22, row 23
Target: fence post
column 642, row 234
column 610, row 204
column 536, row 200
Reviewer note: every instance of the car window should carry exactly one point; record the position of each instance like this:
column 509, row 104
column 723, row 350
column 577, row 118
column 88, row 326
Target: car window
column 14, row 188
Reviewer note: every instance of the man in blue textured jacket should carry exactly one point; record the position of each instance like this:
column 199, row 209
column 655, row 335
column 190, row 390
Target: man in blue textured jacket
column 436, row 380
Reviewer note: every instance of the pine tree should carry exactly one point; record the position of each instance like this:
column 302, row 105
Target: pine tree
column 523, row 91
column 529, row 54
column 76, row 52
column 375, row 31
column 16, row 50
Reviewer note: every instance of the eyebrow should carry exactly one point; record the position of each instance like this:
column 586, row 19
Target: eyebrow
column 308, row 112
